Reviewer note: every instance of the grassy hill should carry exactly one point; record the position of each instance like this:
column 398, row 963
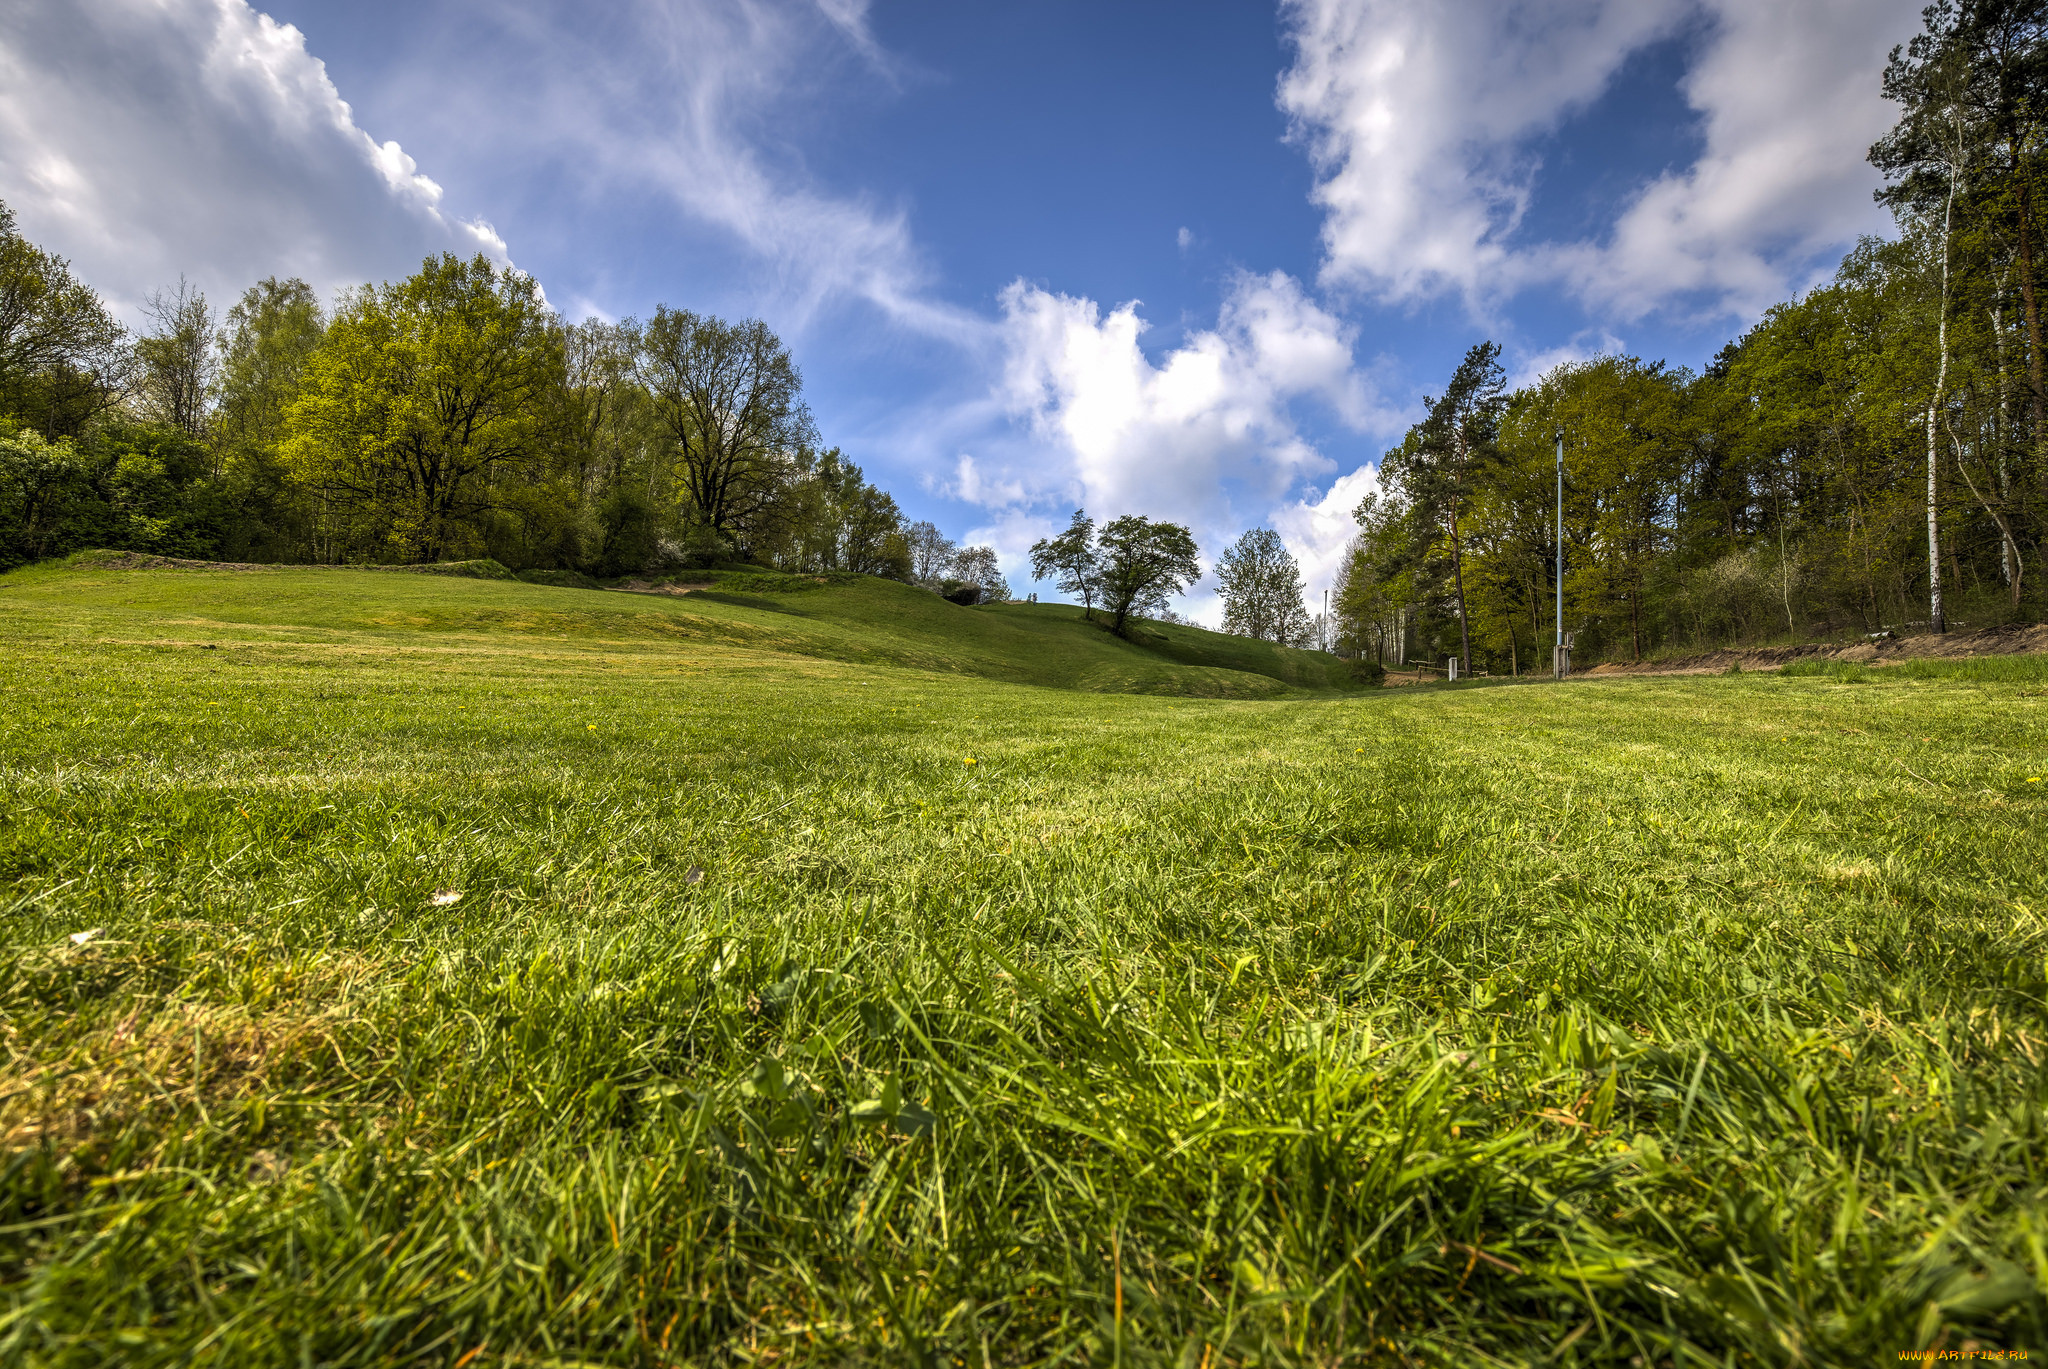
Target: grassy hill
column 860, row 619
column 407, row 971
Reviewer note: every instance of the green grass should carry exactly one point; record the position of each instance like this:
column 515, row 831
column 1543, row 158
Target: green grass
column 1662, row 1021
column 859, row 618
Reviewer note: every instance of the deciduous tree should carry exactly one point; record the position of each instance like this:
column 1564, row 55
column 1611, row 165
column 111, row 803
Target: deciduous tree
column 1262, row 590
column 1141, row 565
column 422, row 402
column 1070, row 561
column 730, row 401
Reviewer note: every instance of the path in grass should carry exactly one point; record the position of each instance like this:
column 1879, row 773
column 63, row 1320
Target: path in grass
column 806, row 1010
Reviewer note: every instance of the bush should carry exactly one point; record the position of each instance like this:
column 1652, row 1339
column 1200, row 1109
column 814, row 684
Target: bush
column 474, row 570
column 1368, row 672
column 559, row 579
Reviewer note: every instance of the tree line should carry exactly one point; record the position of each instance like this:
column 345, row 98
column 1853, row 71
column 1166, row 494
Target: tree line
column 1871, row 456
column 447, row 416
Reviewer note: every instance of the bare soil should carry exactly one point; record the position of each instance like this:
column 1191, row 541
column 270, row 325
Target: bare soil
column 2013, row 640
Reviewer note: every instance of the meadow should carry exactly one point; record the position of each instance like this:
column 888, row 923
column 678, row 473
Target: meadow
column 411, row 971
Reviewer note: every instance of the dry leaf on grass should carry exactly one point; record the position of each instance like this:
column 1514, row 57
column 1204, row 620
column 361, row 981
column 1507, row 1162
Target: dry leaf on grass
column 445, row 897
column 694, row 875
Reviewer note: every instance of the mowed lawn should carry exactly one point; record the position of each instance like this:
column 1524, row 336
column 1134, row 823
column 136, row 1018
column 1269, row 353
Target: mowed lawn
column 463, row 994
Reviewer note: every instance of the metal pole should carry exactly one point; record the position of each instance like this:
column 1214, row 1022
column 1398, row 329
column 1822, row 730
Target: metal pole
column 1558, row 664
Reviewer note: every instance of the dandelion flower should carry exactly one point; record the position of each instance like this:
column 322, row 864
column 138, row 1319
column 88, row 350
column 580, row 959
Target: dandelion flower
column 591, row 726
column 970, row 760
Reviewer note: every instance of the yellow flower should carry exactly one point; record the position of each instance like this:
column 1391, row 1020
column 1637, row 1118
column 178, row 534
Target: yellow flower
column 2033, row 779
column 591, row 726
column 970, row 760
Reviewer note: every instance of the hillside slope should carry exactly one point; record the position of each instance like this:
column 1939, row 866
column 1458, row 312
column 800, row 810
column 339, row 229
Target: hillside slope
column 871, row 621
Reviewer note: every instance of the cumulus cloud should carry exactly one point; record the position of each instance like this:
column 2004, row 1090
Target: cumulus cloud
column 1318, row 527
column 1167, row 438
column 1207, row 434
column 146, row 139
column 1424, row 122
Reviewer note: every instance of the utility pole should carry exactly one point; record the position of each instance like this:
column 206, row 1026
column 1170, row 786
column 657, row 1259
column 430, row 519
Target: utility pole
column 1326, row 619
column 1560, row 659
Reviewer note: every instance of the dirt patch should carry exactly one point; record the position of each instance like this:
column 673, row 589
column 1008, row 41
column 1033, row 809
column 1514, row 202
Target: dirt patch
column 2018, row 639
column 649, row 587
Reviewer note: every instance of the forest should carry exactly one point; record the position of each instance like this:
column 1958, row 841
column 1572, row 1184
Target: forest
column 449, row 416
column 1871, row 456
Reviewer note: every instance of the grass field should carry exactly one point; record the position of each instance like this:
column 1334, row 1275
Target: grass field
column 825, row 987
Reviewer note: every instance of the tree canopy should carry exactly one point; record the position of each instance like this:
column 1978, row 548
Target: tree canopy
column 1262, row 590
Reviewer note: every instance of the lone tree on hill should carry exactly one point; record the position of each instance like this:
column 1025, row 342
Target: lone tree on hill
column 1441, row 466
column 1069, row 561
column 1262, row 592
column 1141, row 564
column 977, row 566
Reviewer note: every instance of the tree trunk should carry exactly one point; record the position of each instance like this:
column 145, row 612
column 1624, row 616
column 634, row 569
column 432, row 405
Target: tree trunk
column 1635, row 623
column 1935, row 616
column 1458, row 578
column 2031, row 309
column 2015, row 567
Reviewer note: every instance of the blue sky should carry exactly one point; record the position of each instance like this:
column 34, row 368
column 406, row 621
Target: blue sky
column 1200, row 261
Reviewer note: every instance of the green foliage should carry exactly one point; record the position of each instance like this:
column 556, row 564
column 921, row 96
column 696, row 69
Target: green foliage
column 1070, row 561
column 421, row 409
column 1261, row 587
column 1442, row 466
column 615, row 993
column 136, row 486
column 48, row 503
column 1140, row 565
column 729, row 400
column 448, row 416
column 176, row 362
column 63, row 362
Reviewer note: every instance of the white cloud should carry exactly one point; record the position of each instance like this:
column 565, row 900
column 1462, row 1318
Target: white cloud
column 1319, row 526
column 1207, row 435
column 1528, row 368
column 1163, row 439
column 1789, row 97
column 1422, row 120
column 704, row 103
column 146, row 139
column 971, row 484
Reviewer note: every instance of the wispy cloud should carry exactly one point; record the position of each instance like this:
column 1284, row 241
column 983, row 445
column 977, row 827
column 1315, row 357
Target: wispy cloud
column 704, row 105
column 1207, row 434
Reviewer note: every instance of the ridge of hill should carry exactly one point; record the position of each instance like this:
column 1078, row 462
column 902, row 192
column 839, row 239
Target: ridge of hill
column 858, row 619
